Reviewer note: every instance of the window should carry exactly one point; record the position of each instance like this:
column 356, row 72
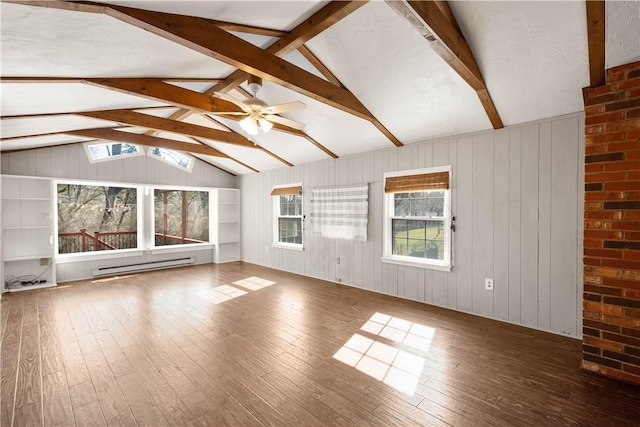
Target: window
column 180, row 217
column 417, row 229
column 288, row 216
column 96, row 218
column 100, row 152
column 174, row 158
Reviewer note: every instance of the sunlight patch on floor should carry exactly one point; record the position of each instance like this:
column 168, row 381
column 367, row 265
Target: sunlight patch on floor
column 401, row 331
column 394, row 367
column 221, row 294
column 254, row 283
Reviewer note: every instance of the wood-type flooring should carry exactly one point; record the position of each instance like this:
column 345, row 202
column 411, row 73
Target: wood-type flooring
column 238, row 344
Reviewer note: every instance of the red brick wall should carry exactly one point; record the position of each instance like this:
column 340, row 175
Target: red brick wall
column 611, row 303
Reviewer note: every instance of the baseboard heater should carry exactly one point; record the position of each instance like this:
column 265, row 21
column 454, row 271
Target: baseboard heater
column 145, row 266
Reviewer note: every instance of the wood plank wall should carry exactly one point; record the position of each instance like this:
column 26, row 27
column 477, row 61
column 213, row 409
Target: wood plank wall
column 517, row 197
column 70, row 161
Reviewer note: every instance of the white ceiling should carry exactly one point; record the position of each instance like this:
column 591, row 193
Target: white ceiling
column 533, row 57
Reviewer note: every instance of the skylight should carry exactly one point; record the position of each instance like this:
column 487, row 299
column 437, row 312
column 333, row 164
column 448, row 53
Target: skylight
column 174, row 158
column 99, row 152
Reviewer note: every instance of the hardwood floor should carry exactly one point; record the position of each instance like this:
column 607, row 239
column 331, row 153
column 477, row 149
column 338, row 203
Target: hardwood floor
column 238, row 344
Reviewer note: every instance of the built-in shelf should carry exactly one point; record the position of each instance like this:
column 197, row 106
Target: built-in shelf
column 28, row 258
column 31, row 287
column 27, row 198
column 227, row 225
column 27, row 247
column 27, row 227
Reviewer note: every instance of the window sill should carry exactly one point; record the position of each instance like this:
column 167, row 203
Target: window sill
column 289, row 246
column 418, row 264
column 182, row 248
column 91, row 256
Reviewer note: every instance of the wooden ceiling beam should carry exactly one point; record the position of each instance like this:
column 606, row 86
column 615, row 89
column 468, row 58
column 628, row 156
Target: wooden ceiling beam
column 314, row 25
column 320, row 21
column 296, row 132
column 596, row 39
column 87, row 7
column 158, row 90
column 15, row 79
column 134, row 118
column 259, row 147
column 249, row 29
column 313, row 59
column 435, row 22
column 202, row 36
column 199, row 141
column 146, row 140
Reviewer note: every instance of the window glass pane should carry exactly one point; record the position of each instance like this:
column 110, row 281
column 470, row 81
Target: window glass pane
column 290, row 219
column 435, row 203
column 174, row 158
column 418, row 207
column 402, row 207
column 420, row 239
column 109, row 150
column 181, row 217
column 298, row 205
column 290, row 230
column 96, row 218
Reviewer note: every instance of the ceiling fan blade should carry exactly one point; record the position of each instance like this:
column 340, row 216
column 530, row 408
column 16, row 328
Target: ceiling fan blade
column 284, row 121
column 283, row 108
column 232, row 99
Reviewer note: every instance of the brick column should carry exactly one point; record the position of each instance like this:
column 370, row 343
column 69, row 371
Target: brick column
column 611, row 303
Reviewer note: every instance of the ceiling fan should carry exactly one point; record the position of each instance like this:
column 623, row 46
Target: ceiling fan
column 259, row 113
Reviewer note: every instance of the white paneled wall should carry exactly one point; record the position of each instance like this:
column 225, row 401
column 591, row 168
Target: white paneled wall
column 517, row 196
column 70, row 161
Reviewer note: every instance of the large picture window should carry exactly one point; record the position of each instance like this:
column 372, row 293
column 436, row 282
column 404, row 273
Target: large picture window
column 96, row 218
column 417, row 218
column 180, row 217
column 288, row 216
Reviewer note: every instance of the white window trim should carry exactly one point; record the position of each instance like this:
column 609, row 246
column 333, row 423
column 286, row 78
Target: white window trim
column 86, row 256
column 388, row 256
column 151, row 243
column 276, row 209
column 141, row 152
column 190, row 157
column 146, row 229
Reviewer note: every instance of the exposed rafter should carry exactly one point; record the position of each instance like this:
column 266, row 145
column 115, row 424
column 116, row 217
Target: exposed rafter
column 259, row 147
column 199, row 141
column 596, row 37
column 134, row 118
column 44, row 115
column 202, row 36
column 158, row 90
column 442, row 32
column 313, row 59
column 146, row 140
column 15, row 79
column 320, row 21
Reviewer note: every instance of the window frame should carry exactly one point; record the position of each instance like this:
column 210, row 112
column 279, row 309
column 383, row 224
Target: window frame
column 151, row 232
column 114, row 253
column 188, row 169
column 389, row 214
column 140, row 151
column 276, row 216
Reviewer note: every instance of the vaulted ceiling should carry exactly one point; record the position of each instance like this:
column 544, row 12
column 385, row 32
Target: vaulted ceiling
column 373, row 74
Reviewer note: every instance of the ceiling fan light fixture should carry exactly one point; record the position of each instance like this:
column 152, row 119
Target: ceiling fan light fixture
column 249, row 125
column 265, row 124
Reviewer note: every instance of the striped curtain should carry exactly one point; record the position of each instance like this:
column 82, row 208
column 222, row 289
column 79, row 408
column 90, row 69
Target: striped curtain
column 340, row 212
